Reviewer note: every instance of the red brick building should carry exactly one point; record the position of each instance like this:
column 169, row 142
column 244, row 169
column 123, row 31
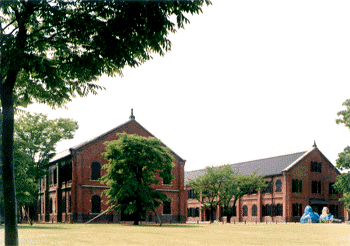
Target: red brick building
column 295, row 181
column 71, row 191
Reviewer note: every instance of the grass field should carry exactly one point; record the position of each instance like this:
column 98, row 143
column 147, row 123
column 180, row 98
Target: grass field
column 183, row 234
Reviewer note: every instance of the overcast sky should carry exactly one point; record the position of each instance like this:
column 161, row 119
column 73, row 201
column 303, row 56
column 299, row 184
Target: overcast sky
column 245, row 80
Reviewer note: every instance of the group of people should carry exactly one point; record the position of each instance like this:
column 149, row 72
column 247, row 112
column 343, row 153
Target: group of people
column 311, row 217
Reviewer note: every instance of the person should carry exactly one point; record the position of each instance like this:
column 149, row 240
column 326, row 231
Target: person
column 327, row 217
column 309, row 216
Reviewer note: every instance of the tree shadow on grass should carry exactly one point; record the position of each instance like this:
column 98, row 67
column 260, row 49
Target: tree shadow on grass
column 164, row 225
column 40, row 227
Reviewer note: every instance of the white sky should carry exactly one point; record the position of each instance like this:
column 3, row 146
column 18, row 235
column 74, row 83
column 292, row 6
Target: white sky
column 245, row 80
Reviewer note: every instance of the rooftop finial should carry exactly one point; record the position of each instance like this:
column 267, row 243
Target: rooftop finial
column 132, row 117
column 315, row 146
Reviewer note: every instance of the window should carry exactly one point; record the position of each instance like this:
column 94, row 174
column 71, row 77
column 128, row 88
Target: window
column 254, row 210
column 191, row 194
column 297, row 185
column 96, row 204
column 196, row 212
column 278, row 185
column 192, row 212
column 316, row 167
column 167, row 180
column 279, row 210
column 233, row 211
column 64, row 205
column 69, row 204
column 263, row 211
column 167, row 208
column 52, row 175
column 95, row 170
column 297, row 209
column 51, row 206
column 332, row 190
column 39, row 205
column 316, row 187
column 245, row 210
column 65, row 171
column 268, row 210
column 268, row 189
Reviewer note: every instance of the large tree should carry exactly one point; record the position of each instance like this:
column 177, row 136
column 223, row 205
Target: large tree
column 133, row 164
column 343, row 162
column 52, row 51
column 220, row 185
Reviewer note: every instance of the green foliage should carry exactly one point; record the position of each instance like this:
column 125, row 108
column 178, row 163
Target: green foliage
column 53, row 51
column 34, row 145
column 37, row 135
column 343, row 186
column 133, row 164
column 343, row 162
column 57, row 48
column 209, row 188
column 219, row 185
column 344, row 115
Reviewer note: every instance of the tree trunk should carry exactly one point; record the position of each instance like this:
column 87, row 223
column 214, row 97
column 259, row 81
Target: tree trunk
column 11, row 230
column 211, row 214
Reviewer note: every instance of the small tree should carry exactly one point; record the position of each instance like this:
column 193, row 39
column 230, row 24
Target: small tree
column 208, row 187
column 238, row 185
column 133, row 165
column 219, row 185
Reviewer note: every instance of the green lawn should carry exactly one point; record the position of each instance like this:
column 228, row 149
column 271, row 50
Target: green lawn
column 181, row 235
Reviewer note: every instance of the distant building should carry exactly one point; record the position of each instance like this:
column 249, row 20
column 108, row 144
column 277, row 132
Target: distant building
column 71, row 191
column 294, row 181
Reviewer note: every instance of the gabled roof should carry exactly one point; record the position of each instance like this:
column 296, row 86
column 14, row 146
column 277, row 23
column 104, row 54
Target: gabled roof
column 66, row 153
column 267, row 167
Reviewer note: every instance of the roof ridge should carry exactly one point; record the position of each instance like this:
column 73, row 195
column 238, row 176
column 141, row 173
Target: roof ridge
column 266, row 158
column 277, row 156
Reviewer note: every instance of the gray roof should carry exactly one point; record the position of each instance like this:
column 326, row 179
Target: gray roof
column 267, row 167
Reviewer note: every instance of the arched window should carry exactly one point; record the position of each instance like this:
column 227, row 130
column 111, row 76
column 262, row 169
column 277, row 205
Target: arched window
column 278, row 185
column 96, row 204
column 95, row 170
column 254, row 210
column 245, row 210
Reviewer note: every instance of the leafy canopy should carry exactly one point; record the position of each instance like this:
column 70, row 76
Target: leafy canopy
column 343, row 162
column 52, row 51
column 35, row 142
column 219, row 185
column 57, row 48
column 134, row 162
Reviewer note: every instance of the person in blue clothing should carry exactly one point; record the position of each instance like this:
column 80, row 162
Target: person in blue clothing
column 309, row 216
column 326, row 216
